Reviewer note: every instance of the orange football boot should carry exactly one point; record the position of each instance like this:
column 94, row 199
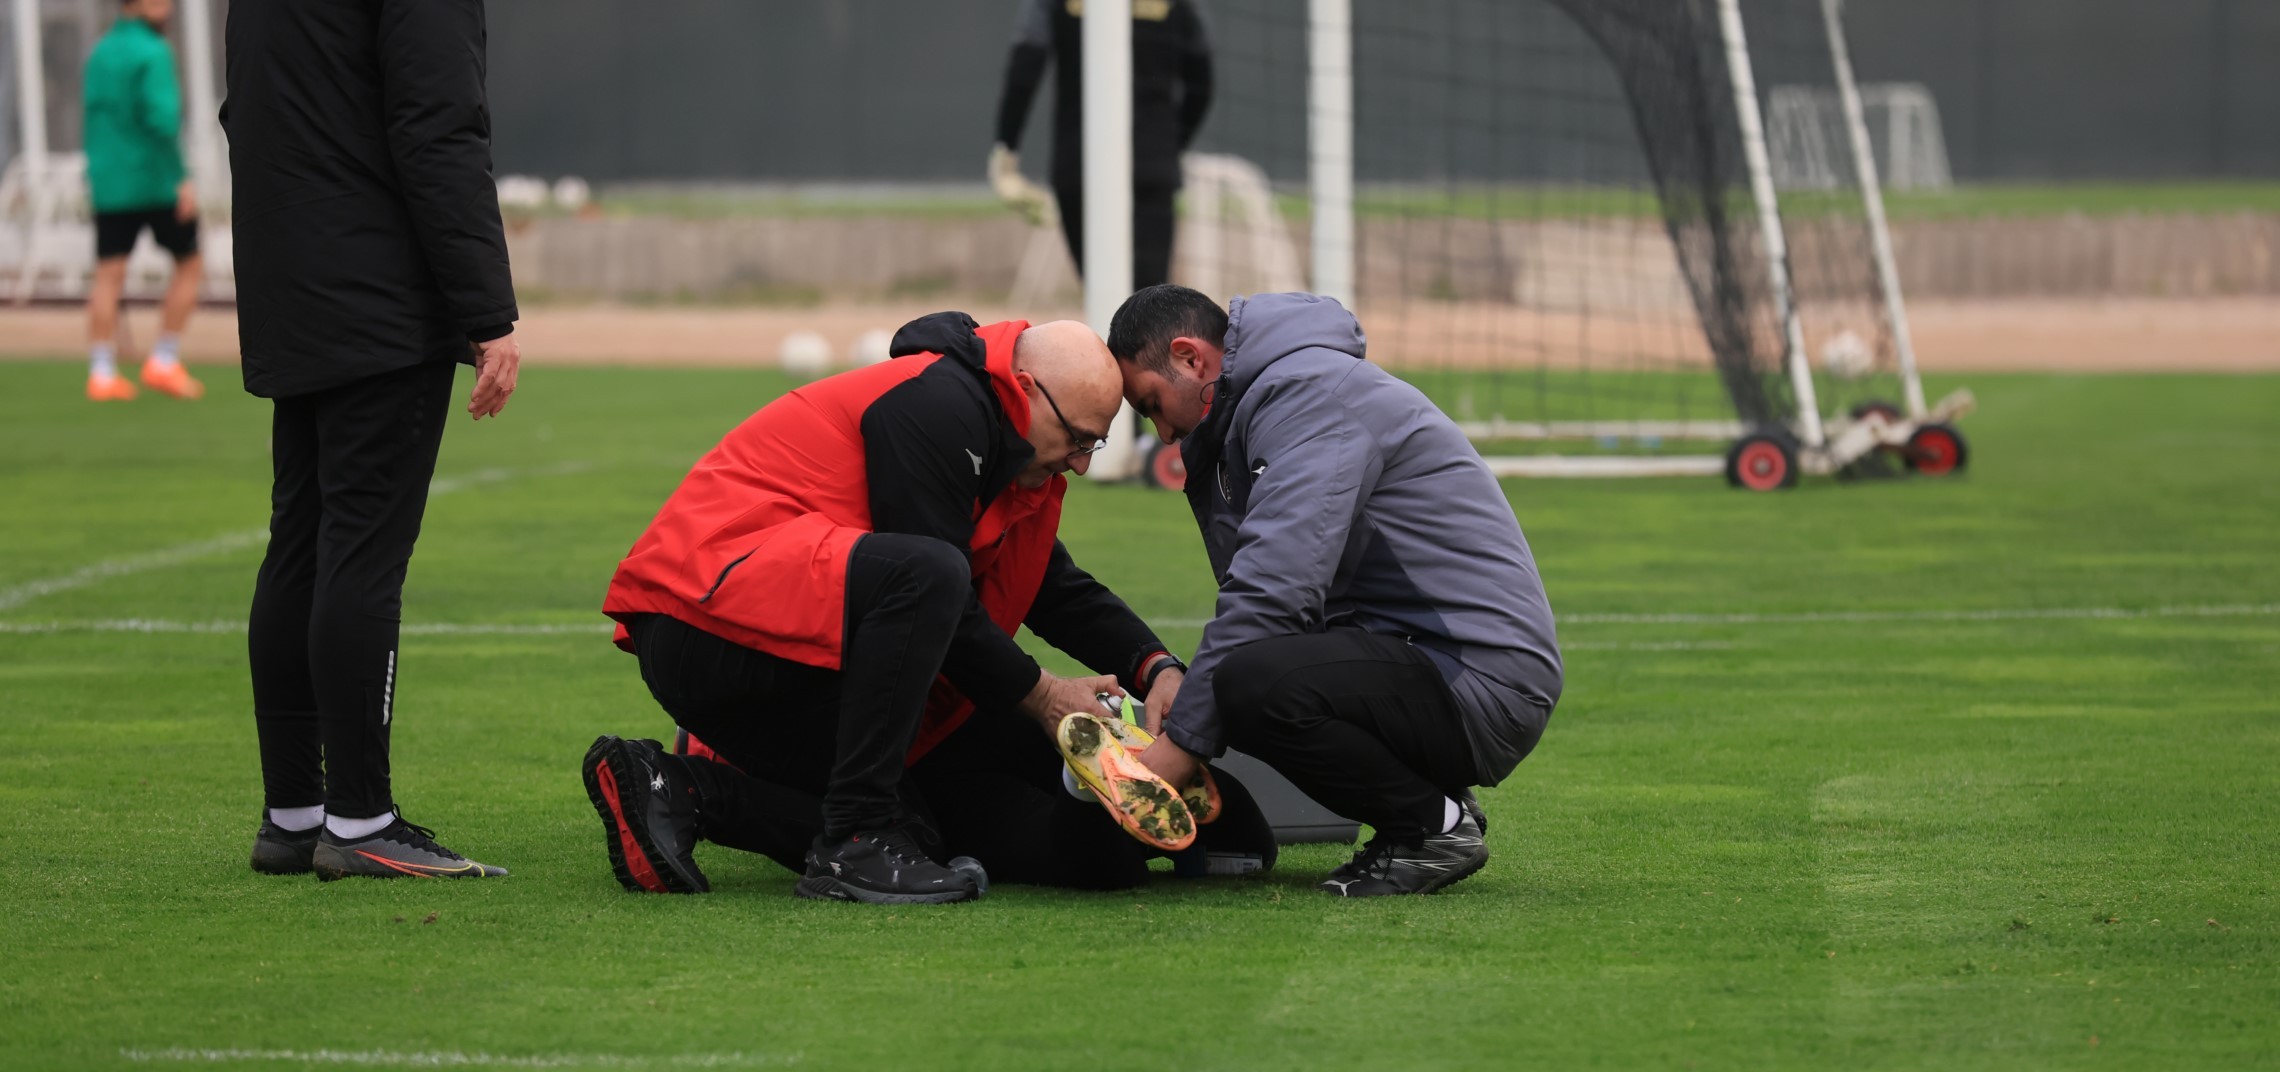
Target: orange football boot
column 109, row 387
column 1139, row 801
column 171, row 380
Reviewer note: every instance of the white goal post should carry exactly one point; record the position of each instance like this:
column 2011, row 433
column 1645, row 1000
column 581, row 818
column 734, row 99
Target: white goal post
column 1825, row 446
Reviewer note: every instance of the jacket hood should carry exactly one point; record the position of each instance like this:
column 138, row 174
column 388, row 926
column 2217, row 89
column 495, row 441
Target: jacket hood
column 987, row 351
column 1265, row 328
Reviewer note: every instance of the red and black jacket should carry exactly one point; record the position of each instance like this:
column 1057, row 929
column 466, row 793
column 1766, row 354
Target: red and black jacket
column 752, row 547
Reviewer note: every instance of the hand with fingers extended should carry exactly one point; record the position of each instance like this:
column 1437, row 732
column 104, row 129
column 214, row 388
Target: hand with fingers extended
column 496, row 364
column 1054, row 698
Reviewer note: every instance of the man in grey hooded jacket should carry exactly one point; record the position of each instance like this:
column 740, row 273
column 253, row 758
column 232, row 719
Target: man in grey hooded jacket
column 1381, row 635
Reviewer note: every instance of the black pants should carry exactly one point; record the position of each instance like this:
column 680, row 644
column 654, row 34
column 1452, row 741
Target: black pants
column 837, row 737
column 352, row 466
column 1152, row 223
column 1363, row 723
column 992, row 790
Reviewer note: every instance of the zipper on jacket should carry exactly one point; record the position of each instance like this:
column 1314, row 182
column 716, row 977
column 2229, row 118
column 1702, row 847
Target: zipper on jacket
column 723, row 578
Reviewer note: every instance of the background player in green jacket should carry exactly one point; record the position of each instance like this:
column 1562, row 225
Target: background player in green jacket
column 135, row 172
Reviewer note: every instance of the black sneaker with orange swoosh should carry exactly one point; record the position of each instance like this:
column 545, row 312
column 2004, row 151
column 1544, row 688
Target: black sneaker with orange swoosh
column 399, row 850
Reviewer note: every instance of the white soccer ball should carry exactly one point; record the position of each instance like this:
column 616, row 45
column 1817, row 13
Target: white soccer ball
column 805, row 354
column 571, row 193
column 870, row 347
column 522, row 191
column 1847, row 356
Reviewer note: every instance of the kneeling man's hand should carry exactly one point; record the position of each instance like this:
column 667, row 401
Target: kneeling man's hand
column 1160, row 697
column 1175, row 765
column 1054, row 697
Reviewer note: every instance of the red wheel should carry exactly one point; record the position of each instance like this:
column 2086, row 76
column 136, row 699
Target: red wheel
column 1937, row 450
column 1165, row 469
column 1761, row 463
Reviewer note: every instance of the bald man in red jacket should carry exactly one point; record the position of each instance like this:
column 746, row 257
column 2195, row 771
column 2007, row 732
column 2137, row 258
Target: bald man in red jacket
column 829, row 598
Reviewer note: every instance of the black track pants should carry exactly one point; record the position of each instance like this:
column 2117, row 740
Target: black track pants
column 1153, row 220
column 351, row 471
column 1363, row 723
column 839, row 736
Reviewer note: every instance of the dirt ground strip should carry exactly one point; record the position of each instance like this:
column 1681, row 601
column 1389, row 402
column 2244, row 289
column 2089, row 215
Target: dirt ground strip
column 2185, row 335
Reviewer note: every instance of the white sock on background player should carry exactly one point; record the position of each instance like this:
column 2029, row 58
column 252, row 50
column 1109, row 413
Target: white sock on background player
column 352, row 829
column 297, row 819
column 168, row 352
column 102, row 359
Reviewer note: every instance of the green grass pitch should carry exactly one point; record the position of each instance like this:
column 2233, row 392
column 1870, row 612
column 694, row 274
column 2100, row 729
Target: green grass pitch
column 1852, row 776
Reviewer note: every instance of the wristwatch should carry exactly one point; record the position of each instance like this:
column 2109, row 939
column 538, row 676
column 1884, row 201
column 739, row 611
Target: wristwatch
column 1166, row 662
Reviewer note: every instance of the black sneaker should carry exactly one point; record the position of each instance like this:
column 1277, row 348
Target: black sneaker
column 882, row 867
column 1388, row 866
column 648, row 806
column 278, row 851
column 398, row 850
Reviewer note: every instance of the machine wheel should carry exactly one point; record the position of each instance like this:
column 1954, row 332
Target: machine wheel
column 1164, row 469
column 1762, row 462
column 1937, row 450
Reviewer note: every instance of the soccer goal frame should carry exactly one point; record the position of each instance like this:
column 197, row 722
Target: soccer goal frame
column 1819, row 445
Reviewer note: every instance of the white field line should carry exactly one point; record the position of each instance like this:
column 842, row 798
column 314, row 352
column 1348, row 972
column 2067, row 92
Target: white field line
column 17, row 595
column 159, row 625
column 459, row 1059
column 2004, row 614
column 2241, row 610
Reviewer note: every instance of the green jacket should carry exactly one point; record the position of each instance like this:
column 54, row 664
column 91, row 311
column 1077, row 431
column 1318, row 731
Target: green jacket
column 134, row 120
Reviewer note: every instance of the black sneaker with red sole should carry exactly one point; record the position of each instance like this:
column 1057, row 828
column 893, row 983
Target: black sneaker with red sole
column 648, row 806
column 398, row 850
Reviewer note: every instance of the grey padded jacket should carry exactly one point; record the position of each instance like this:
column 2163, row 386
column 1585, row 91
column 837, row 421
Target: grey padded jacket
column 1332, row 495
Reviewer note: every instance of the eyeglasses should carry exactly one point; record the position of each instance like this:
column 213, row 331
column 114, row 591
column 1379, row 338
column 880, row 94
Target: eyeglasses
column 1075, row 436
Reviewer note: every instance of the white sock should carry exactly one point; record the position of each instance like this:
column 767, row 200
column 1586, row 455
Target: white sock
column 168, row 352
column 352, row 829
column 297, row 819
column 1450, row 813
column 102, row 359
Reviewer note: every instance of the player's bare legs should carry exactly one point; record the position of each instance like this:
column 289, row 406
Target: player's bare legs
column 104, row 384
column 164, row 371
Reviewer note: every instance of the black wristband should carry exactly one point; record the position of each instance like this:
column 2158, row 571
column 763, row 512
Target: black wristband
column 1148, row 684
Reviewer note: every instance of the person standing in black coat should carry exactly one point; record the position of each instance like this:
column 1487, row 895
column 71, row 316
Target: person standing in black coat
column 370, row 263
column 1171, row 91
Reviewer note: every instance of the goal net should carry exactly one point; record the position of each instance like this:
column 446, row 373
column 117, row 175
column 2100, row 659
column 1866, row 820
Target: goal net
column 1557, row 228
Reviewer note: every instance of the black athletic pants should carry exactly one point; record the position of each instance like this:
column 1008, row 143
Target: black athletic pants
column 991, row 790
column 1152, row 223
column 836, row 737
column 351, row 471
column 1363, row 723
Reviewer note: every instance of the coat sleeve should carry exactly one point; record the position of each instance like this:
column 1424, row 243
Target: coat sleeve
column 1024, row 69
column 1319, row 469
column 1195, row 76
column 158, row 97
column 917, row 451
column 1080, row 616
column 439, row 134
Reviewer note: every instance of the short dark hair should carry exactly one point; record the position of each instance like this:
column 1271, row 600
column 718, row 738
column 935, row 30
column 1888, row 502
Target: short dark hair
column 1142, row 331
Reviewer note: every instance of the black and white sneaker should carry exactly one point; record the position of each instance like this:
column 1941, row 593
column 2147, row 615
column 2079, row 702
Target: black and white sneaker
column 1389, row 866
column 278, row 851
column 883, row 867
column 398, row 850
column 648, row 805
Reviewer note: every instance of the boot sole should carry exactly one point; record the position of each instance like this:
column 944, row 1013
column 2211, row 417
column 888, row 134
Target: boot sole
column 1132, row 795
column 827, row 888
column 632, row 852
